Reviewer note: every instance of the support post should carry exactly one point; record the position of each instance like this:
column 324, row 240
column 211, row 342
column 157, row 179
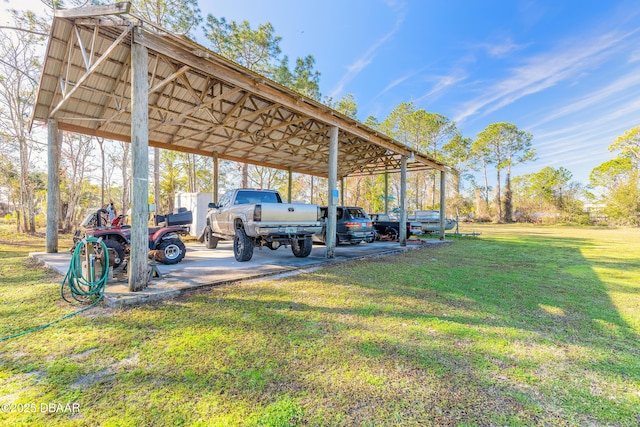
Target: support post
column 443, row 217
column 403, row 197
column 139, row 254
column 53, row 186
column 333, row 193
column 311, row 198
column 386, row 191
column 342, row 191
column 290, row 185
column 214, row 194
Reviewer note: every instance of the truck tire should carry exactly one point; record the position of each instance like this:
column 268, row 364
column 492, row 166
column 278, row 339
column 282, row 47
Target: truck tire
column 242, row 246
column 210, row 241
column 301, row 248
column 171, row 251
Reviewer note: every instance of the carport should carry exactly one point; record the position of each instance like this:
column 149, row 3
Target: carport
column 108, row 73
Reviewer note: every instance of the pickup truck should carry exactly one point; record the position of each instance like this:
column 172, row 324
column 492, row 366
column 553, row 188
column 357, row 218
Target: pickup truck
column 259, row 218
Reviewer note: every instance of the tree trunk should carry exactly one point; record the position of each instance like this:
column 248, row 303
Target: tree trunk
column 25, row 193
column 480, row 204
column 508, row 202
column 245, row 175
column 499, row 197
column 32, row 211
column 455, row 182
column 311, row 191
column 486, row 188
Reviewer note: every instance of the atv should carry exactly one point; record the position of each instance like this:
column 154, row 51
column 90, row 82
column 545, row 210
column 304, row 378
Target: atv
column 165, row 244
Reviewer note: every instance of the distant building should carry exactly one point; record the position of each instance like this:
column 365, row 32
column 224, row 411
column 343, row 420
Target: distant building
column 596, row 211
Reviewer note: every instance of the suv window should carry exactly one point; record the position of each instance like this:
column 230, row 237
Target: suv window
column 357, row 213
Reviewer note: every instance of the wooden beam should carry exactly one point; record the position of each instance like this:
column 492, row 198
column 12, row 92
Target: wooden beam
column 138, row 265
column 217, row 66
column 91, row 11
column 403, row 202
column 53, row 186
column 318, row 171
column 82, row 79
column 169, row 79
column 332, row 197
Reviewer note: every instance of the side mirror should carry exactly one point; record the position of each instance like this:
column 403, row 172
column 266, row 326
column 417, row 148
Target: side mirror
column 212, row 205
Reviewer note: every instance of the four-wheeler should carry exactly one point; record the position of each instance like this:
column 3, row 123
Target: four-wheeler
column 164, row 241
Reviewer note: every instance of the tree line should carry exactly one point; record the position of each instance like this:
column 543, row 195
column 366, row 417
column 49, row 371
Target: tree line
column 482, row 188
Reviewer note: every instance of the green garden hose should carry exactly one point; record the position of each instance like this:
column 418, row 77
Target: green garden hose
column 81, row 288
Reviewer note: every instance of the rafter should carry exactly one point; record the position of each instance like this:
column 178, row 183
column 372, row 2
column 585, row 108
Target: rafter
column 82, row 79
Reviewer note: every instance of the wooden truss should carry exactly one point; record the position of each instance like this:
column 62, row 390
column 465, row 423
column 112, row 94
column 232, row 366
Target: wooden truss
column 198, row 101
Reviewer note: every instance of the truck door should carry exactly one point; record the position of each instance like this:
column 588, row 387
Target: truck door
column 220, row 219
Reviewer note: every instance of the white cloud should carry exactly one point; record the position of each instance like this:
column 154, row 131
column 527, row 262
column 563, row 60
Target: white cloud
column 442, row 83
column 363, row 61
column 499, row 50
column 543, row 71
column 609, row 92
column 396, row 82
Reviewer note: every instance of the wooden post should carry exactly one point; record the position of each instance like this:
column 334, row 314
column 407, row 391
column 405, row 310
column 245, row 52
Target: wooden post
column 386, row 191
column 403, row 197
column 53, row 185
column 311, row 198
column 290, row 185
column 342, row 191
column 215, row 194
column 443, row 217
column 333, row 193
column 138, row 263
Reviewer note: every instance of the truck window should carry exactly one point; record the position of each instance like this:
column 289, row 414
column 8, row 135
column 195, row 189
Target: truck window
column 224, row 200
column 254, row 196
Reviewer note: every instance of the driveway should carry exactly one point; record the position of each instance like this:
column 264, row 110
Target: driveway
column 204, row 267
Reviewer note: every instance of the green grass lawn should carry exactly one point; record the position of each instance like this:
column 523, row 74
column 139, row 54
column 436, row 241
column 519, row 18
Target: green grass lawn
column 521, row 326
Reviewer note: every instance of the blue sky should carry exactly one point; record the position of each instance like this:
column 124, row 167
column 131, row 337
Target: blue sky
column 566, row 71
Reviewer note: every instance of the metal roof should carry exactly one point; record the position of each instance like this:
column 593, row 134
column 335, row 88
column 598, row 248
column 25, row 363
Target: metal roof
column 199, row 102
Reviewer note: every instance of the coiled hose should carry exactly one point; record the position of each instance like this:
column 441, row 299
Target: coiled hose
column 81, row 288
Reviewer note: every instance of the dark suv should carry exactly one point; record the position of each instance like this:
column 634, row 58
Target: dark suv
column 353, row 225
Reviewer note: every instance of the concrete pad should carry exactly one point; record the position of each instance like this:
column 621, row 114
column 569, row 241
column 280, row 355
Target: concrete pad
column 202, row 267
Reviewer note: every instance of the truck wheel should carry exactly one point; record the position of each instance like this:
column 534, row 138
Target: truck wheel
column 242, row 246
column 210, row 241
column 301, row 248
column 172, row 251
